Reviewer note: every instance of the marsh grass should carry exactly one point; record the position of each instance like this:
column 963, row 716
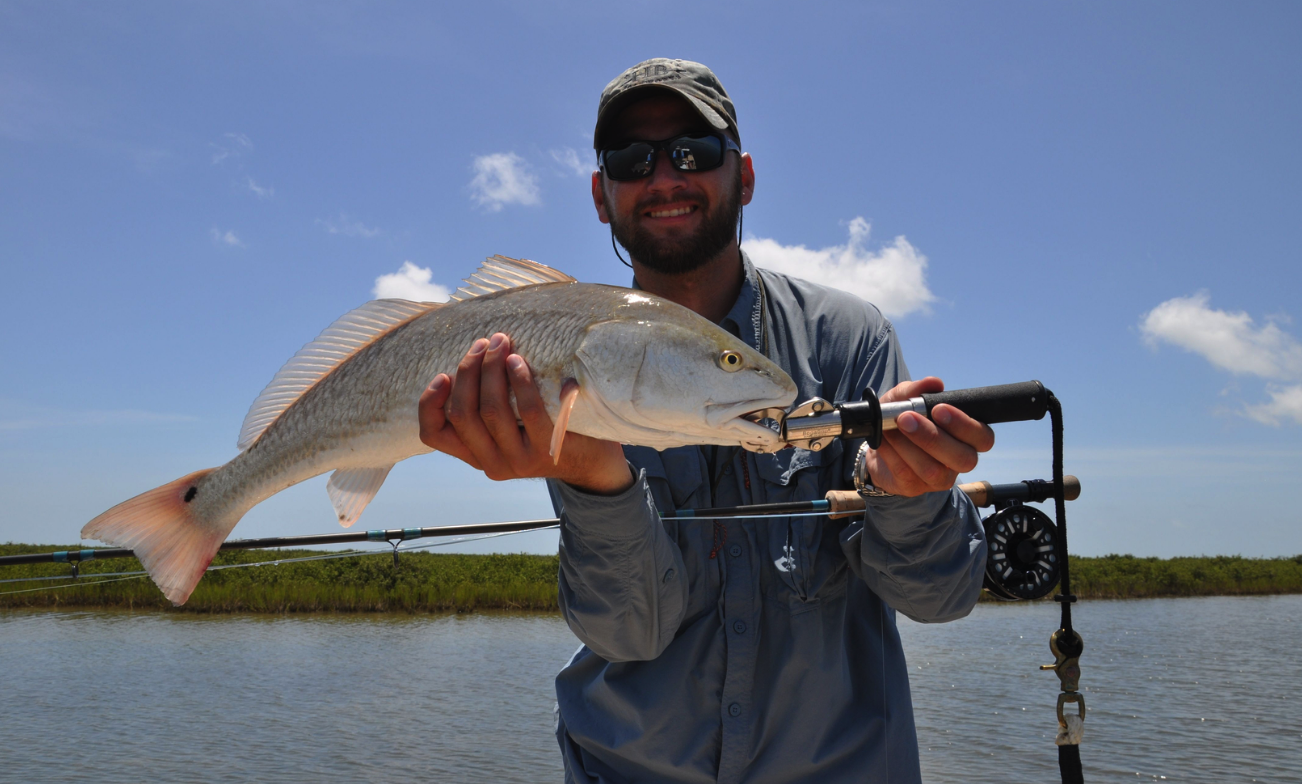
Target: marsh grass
column 440, row 582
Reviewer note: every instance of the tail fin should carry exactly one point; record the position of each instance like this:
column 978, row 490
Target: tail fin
column 173, row 543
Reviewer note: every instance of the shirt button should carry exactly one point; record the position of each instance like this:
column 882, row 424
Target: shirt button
column 669, row 575
column 739, row 627
column 735, row 550
column 734, row 710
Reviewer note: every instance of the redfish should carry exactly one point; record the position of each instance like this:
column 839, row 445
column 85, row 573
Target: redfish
column 610, row 362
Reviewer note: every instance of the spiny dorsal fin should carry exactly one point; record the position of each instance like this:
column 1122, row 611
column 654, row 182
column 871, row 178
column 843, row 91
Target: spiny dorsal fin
column 349, row 334
column 499, row 273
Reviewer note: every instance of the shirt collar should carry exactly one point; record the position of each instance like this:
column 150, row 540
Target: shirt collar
column 745, row 319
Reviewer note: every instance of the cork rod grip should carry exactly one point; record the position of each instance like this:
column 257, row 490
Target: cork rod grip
column 847, row 503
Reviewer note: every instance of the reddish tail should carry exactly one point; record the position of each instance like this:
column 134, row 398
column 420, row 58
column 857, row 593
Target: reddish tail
column 172, row 541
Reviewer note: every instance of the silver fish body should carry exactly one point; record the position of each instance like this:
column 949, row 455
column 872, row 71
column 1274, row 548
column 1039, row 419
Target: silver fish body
column 648, row 372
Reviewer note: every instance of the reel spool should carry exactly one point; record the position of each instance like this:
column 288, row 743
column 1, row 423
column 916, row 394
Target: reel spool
column 1021, row 562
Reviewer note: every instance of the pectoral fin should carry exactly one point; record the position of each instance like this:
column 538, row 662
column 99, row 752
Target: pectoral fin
column 351, row 489
column 569, row 394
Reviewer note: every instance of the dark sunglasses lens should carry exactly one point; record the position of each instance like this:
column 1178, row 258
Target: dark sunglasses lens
column 696, row 153
column 688, row 153
column 629, row 163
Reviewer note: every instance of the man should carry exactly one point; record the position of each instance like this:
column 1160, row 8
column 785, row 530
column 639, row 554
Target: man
column 738, row 650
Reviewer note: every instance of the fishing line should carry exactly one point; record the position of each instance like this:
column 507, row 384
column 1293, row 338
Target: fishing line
column 77, row 585
column 277, row 562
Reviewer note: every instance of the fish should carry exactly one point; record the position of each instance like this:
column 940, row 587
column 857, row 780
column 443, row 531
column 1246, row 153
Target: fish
column 610, row 362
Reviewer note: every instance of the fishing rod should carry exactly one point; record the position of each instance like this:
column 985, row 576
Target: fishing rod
column 837, row 504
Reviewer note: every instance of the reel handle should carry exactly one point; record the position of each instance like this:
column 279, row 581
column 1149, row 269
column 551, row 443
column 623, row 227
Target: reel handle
column 1020, row 402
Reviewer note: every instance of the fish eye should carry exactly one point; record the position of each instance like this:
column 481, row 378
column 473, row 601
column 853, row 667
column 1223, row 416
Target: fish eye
column 730, row 361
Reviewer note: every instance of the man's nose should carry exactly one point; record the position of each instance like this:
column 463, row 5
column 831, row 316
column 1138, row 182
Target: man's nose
column 665, row 176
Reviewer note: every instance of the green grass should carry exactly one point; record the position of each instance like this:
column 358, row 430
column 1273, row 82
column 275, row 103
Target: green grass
column 429, row 582
column 1128, row 577
column 421, row 582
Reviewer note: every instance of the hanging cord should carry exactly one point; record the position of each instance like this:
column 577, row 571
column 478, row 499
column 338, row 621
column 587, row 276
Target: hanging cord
column 616, row 247
column 1065, row 598
column 1065, row 643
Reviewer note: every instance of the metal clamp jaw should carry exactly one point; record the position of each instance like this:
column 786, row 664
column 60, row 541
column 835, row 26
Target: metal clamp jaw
column 1066, row 652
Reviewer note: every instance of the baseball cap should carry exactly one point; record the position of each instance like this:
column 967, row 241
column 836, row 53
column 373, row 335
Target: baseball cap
column 693, row 81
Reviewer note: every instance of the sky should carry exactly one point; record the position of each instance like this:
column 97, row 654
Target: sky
column 1103, row 196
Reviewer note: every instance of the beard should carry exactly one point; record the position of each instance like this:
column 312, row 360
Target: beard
column 683, row 254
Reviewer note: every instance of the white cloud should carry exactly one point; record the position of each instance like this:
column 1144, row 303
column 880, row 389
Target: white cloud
column 1285, row 403
column 260, row 191
column 893, row 278
column 410, row 282
column 227, row 237
column 1233, row 342
column 569, row 158
column 1230, row 341
column 348, row 227
column 232, row 147
column 503, row 178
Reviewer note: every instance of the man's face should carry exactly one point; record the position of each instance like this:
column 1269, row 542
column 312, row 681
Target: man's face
column 671, row 221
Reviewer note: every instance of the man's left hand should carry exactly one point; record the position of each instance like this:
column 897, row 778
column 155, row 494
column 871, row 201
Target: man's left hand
column 926, row 455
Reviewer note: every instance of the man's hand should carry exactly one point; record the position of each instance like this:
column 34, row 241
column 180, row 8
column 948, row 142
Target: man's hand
column 470, row 418
column 925, row 455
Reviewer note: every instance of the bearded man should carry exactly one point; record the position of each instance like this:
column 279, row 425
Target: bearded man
column 743, row 650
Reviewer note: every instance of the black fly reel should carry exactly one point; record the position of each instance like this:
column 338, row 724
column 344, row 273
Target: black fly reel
column 1021, row 562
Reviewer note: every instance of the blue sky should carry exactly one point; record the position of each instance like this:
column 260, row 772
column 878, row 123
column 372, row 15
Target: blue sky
column 1101, row 196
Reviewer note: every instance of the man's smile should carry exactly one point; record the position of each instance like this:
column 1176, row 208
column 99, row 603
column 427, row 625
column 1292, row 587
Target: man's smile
column 672, row 212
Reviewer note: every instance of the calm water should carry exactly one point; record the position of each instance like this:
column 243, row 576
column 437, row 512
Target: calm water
column 1205, row 690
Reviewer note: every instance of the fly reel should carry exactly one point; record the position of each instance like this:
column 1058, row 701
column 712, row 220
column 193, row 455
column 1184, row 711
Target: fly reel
column 1023, row 558
column 1021, row 562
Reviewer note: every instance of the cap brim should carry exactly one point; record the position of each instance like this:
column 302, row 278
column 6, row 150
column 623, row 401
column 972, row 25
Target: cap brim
column 612, row 109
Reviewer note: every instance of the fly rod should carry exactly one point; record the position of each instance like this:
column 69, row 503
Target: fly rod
column 837, row 504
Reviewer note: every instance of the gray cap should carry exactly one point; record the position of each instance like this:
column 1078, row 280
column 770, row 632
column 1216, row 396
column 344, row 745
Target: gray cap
column 692, row 81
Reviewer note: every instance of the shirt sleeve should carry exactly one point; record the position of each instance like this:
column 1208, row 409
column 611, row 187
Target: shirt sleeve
column 623, row 587
column 923, row 556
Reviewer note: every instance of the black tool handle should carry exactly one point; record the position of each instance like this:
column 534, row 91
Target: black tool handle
column 1002, row 403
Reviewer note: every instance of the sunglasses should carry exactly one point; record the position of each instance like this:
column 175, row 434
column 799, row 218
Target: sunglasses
column 689, row 152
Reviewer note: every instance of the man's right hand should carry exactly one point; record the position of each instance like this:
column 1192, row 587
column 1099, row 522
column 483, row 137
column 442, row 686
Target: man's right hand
column 470, row 418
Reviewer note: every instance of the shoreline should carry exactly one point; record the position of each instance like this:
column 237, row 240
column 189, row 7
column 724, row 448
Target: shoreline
column 424, row 582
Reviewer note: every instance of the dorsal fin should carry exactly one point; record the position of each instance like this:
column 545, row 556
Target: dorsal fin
column 499, row 273
column 349, row 334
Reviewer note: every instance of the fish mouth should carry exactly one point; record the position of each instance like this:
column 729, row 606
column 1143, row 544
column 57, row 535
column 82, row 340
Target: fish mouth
column 746, row 426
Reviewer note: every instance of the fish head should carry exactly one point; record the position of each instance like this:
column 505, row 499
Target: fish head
column 671, row 378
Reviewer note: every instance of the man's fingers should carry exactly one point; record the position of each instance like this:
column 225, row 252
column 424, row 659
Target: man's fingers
column 463, row 410
column 430, row 409
column 529, row 403
column 495, row 400
column 936, row 444
column 892, row 473
column 435, row 431
column 907, row 389
column 963, row 427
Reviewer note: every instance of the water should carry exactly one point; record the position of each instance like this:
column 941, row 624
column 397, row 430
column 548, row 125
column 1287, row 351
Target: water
column 1182, row 690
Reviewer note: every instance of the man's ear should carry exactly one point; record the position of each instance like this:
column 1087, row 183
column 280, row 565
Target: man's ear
column 747, row 179
column 599, row 198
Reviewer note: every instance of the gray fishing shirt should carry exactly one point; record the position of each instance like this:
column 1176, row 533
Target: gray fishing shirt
column 757, row 650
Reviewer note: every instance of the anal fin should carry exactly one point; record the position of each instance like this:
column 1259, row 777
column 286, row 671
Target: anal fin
column 351, row 489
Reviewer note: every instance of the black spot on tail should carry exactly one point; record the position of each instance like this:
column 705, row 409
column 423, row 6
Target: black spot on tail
column 190, row 494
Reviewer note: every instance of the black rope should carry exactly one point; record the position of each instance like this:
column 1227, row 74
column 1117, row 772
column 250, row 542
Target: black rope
column 1069, row 642
column 616, row 247
column 1065, row 597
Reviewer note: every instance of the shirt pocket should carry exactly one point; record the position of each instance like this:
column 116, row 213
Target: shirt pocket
column 802, row 566
column 674, row 477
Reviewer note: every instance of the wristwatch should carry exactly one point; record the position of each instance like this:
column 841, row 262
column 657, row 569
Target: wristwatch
column 862, row 481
